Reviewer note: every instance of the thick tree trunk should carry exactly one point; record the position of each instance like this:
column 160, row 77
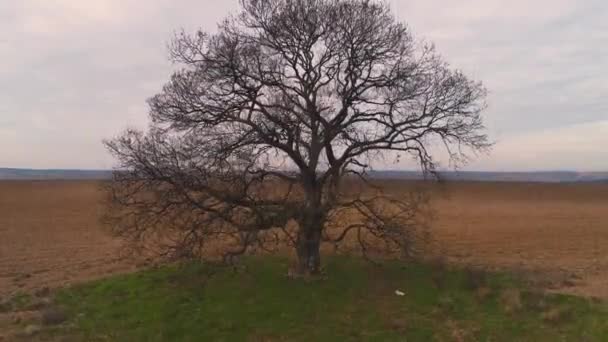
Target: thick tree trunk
column 307, row 249
column 309, row 234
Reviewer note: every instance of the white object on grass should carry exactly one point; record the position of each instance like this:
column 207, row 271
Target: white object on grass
column 399, row 293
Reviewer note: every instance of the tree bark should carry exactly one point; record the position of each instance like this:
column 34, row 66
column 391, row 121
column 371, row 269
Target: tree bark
column 308, row 245
column 310, row 222
column 309, row 239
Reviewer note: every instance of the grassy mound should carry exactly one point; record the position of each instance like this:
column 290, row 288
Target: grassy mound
column 356, row 301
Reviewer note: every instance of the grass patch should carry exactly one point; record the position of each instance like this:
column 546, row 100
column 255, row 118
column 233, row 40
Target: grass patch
column 355, row 302
column 15, row 303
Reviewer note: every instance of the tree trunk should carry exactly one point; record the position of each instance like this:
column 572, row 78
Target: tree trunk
column 307, row 249
column 309, row 233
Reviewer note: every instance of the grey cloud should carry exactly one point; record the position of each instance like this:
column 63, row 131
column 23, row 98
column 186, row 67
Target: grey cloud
column 543, row 64
column 74, row 72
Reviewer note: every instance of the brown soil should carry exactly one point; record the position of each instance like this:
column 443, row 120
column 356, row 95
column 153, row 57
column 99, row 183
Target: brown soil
column 50, row 236
column 50, row 233
column 559, row 231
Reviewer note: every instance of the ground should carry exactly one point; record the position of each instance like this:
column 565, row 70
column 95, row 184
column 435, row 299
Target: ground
column 556, row 229
column 549, row 236
column 50, row 234
column 353, row 301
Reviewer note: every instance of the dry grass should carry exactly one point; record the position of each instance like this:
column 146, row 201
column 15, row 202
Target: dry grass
column 50, row 234
column 511, row 300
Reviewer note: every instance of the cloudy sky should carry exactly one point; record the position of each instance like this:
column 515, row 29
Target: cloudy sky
column 73, row 72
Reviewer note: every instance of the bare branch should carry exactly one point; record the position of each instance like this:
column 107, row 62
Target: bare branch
column 253, row 137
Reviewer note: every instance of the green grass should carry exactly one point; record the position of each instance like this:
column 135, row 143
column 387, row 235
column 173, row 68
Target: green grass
column 356, row 301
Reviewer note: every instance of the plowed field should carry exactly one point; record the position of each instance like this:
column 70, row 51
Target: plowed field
column 50, row 233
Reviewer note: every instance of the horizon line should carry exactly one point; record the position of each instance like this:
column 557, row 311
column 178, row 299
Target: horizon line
column 374, row 170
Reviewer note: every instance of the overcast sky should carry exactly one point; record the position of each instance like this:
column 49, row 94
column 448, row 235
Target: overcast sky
column 73, row 72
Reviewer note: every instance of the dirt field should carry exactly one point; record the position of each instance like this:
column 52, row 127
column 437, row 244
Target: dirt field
column 50, row 234
column 559, row 229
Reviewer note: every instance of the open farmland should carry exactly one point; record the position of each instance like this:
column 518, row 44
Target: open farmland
column 50, row 233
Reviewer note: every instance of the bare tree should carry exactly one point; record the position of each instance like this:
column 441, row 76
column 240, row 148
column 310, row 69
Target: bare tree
column 252, row 139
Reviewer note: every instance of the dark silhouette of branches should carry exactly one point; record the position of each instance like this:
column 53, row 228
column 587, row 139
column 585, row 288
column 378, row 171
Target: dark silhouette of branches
column 252, row 138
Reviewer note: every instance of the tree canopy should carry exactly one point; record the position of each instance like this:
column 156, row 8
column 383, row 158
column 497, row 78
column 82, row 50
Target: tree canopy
column 253, row 137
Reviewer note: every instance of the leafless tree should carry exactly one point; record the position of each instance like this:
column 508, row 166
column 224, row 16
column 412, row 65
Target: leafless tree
column 252, row 140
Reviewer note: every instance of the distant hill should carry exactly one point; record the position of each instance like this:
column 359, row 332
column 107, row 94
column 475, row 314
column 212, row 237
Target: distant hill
column 481, row 176
column 545, row 176
column 30, row 174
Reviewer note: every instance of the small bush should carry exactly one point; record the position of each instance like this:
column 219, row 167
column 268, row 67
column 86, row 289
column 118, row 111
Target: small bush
column 557, row 315
column 475, row 278
column 511, row 300
column 439, row 272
